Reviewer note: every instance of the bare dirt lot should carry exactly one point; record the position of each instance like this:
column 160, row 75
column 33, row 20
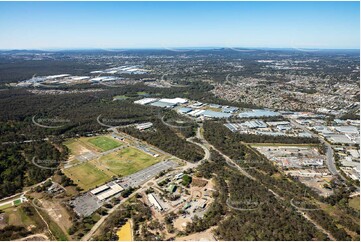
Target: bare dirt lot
column 202, row 236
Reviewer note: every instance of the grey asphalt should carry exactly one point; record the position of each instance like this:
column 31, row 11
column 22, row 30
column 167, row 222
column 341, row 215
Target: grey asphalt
column 146, row 174
column 330, row 161
column 86, row 204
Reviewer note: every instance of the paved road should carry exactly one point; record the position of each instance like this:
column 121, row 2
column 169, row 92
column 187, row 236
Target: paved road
column 207, row 153
column 142, row 176
column 25, row 141
column 103, row 218
column 35, row 237
column 330, row 159
column 234, row 164
column 230, row 162
column 27, row 189
column 319, row 227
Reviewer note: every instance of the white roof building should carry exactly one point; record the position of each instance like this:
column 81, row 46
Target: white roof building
column 107, row 190
column 99, row 189
column 144, row 126
column 145, row 101
column 154, row 202
column 176, row 100
column 347, row 129
column 354, row 153
column 196, row 113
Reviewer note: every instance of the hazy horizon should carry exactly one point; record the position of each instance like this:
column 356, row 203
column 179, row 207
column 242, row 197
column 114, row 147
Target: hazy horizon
column 177, row 48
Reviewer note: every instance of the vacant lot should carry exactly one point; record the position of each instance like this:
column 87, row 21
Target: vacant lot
column 125, row 232
column 79, row 146
column 126, row 161
column 86, row 175
column 199, row 182
column 18, row 217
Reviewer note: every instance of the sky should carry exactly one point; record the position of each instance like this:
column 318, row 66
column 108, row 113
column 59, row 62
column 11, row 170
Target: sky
column 68, row 25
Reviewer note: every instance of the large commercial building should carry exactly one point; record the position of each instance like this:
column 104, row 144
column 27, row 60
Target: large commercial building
column 254, row 124
column 145, row 101
column 152, row 199
column 184, row 110
column 213, row 114
column 161, row 104
column 175, row 101
column 258, row 113
column 106, row 191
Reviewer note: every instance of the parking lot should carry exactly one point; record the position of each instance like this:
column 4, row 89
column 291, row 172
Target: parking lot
column 86, row 156
column 86, row 204
column 146, row 174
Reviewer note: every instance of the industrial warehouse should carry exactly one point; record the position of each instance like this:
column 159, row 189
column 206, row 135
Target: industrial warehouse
column 191, row 108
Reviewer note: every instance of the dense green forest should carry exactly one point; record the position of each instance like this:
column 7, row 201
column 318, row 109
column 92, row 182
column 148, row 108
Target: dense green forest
column 268, row 219
column 21, row 138
column 136, row 211
column 166, row 139
column 18, row 165
column 287, row 187
column 253, row 138
column 18, row 107
column 20, row 70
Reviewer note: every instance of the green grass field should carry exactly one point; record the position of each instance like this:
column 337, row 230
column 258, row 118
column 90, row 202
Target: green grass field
column 142, row 93
column 104, row 143
column 120, row 97
column 5, row 206
column 17, row 202
column 281, row 144
column 355, row 203
column 18, row 217
column 127, row 161
column 86, row 175
column 84, row 144
column 96, row 172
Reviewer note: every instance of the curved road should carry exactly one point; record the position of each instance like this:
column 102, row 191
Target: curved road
column 205, row 146
column 330, row 161
column 234, row 164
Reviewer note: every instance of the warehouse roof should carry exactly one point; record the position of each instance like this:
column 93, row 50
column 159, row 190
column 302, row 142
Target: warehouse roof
column 176, row 100
column 258, row 113
column 184, row 110
column 213, row 114
column 162, row 104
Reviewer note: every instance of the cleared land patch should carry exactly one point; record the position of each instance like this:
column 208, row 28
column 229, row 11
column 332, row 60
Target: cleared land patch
column 76, row 147
column 17, row 216
column 355, row 203
column 125, row 232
